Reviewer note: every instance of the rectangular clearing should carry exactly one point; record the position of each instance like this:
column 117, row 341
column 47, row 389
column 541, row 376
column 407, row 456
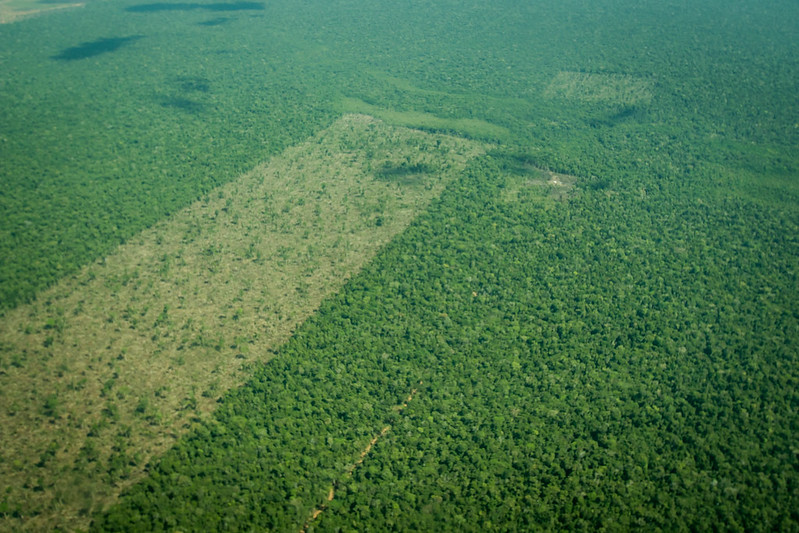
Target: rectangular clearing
column 104, row 371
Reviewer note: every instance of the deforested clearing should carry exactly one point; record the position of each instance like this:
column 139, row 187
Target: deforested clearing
column 113, row 364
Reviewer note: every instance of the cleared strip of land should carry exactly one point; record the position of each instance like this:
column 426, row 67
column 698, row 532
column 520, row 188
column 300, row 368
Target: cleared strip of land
column 469, row 127
column 107, row 369
column 13, row 10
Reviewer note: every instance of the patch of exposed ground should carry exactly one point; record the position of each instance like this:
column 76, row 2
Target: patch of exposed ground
column 103, row 372
column 540, row 183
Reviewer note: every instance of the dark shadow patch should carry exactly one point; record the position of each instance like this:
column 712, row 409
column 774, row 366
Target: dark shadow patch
column 403, row 174
column 184, row 104
column 161, row 6
column 95, row 48
column 518, row 164
column 624, row 114
column 235, row 6
column 194, row 84
column 192, row 6
column 214, row 22
column 523, row 173
column 597, row 184
column 628, row 113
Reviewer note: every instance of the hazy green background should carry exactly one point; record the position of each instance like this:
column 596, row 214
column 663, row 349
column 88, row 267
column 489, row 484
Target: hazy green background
column 97, row 144
column 666, row 288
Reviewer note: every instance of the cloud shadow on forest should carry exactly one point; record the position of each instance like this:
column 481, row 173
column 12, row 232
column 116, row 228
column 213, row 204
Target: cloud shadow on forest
column 404, row 174
column 214, row 22
column 193, row 84
column 94, row 48
column 184, row 104
column 191, row 6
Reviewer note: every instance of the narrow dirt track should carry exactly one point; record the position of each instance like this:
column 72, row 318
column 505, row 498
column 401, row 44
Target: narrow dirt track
column 332, row 493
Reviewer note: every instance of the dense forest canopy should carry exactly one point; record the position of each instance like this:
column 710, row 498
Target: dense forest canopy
column 595, row 325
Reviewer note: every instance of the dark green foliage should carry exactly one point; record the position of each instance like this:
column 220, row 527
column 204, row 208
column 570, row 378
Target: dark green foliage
column 583, row 367
column 192, row 6
column 96, row 149
column 404, row 174
column 51, row 405
column 623, row 359
column 95, row 48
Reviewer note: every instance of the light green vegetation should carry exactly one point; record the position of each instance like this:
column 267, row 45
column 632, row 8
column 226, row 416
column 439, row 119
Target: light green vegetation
column 467, row 127
column 559, row 390
column 525, row 183
column 106, row 369
column 12, row 10
column 602, row 308
column 619, row 89
column 104, row 132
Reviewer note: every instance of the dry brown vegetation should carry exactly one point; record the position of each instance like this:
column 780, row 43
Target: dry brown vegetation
column 110, row 366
